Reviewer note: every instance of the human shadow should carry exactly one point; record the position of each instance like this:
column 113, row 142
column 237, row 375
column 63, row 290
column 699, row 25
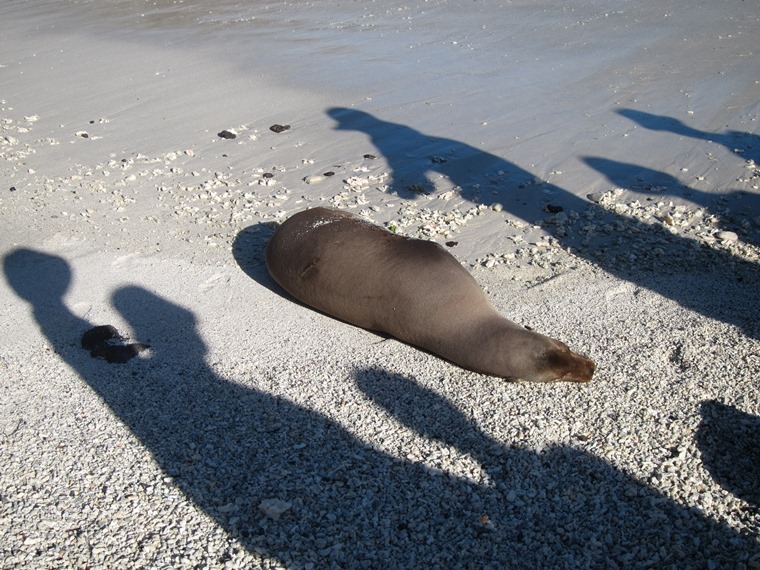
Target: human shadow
column 733, row 209
column 228, row 447
column 745, row 145
column 414, row 156
column 729, row 441
column 636, row 251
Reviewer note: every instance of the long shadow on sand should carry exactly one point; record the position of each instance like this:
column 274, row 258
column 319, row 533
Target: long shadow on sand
column 733, row 209
column 746, row 145
column 617, row 239
column 228, row 447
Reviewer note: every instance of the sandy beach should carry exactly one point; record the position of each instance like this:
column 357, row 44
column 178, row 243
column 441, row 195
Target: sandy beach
column 594, row 165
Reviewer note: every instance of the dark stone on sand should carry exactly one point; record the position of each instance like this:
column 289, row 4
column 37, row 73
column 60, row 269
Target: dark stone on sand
column 279, row 128
column 370, row 156
column 328, row 173
column 228, row 135
column 554, row 209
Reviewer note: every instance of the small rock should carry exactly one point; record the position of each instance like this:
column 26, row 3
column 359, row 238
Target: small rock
column 279, row 128
column 228, row 135
column 83, row 134
column 552, row 209
column 370, row 156
column 313, row 179
column 451, row 243
column 418, row 189
column 727, row 236
column 328, row 173
column 497, row 207
column 559, row 220
column 274, row 508
column 596, row 197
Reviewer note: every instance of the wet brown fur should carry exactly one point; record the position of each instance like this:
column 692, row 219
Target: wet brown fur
column 413, row 290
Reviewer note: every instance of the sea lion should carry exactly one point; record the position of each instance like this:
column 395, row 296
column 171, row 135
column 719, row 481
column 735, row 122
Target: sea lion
column 413, row 290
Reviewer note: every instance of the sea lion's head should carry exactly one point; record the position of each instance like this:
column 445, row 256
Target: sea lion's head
column 560, row 364
column 518, row 353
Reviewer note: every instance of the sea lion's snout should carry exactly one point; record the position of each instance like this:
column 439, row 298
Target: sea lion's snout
column 582, row 371
column 568, row 366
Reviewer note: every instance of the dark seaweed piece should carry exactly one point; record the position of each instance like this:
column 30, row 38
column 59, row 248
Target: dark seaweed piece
column 118, row 353
column 105, row 342
column 99, row 335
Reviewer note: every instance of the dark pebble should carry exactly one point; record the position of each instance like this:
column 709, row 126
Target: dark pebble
column 279, row 128
column 228, row 135
column 554, row 209
column 452, row 243
column 370, row 156
column 328, row 173
column 268, row 175
column 13, row 188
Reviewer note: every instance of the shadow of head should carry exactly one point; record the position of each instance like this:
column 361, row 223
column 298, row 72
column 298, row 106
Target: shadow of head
column 417, row 407
column 40, row 278
column 729, row 441
column 351, row 119
column 160, row 322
